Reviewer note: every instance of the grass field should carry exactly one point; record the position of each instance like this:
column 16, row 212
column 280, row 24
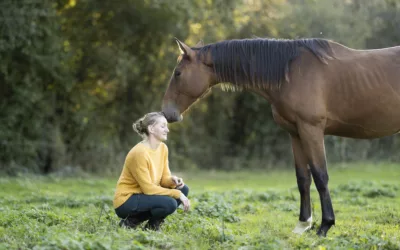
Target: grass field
column 241, row 210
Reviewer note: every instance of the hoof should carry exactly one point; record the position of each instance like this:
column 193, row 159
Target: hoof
column 321, row 233
column 302, row 226
column 325, row 226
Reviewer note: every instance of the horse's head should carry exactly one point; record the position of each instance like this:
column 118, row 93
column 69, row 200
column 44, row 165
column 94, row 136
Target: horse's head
column 191, row 79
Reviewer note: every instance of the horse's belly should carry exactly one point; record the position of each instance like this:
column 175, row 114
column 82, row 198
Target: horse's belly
column 377, row 129
column 365, row 114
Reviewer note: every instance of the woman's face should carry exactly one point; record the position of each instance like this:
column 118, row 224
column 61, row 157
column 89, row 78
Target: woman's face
column 159, row 129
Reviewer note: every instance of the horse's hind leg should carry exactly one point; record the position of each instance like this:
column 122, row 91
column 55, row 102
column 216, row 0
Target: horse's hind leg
column 303, row 175
column 312, row 139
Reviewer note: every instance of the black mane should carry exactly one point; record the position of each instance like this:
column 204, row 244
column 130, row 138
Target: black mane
column 259, row 62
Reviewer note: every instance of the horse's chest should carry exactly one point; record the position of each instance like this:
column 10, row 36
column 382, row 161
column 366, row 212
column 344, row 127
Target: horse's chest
column 283, row 122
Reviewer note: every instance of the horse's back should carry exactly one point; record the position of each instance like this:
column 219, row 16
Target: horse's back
column 358, row 91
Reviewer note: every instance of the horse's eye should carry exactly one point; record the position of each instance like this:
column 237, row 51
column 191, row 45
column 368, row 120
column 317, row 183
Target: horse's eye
column 177, row 73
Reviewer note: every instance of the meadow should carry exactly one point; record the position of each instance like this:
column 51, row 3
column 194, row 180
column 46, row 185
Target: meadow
column 230, row 210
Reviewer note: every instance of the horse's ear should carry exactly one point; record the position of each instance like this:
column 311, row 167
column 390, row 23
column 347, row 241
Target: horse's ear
column 199, row 44
column 185, row 50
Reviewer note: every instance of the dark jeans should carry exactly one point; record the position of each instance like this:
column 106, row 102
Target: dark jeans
column 153, row 207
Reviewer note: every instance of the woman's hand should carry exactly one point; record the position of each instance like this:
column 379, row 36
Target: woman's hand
column 185, row 202
column 178, row 182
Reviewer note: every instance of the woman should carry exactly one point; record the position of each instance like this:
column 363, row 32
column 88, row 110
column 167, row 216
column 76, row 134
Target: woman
column 146, row 190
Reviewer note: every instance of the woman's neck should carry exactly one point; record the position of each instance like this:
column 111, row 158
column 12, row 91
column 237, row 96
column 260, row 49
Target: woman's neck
column 151, row 142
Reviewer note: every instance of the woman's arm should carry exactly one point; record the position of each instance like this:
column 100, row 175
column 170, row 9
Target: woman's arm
column 140, row 171
column 166, row 179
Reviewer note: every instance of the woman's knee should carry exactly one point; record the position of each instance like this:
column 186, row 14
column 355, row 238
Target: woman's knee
column 169, row 206
column 185, row 190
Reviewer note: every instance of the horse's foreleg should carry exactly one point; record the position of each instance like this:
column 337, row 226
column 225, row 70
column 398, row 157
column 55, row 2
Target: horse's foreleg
column 303, row 175
column 312, row 139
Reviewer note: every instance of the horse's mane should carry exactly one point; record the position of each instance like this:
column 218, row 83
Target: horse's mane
column 259, row 62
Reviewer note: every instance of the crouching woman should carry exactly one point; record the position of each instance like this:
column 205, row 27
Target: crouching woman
column 146, row 190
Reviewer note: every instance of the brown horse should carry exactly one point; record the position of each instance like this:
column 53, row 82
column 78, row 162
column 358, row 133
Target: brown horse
column 316, row 87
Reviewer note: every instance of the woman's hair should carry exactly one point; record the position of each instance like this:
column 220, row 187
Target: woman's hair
column 141, row 126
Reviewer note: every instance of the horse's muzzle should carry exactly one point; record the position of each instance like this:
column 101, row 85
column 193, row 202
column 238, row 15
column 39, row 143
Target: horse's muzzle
column 172, row 114
column 172, row 119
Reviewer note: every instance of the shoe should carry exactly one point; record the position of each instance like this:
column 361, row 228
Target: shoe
column 134, row 221
column 130, row 223
column 154, row 225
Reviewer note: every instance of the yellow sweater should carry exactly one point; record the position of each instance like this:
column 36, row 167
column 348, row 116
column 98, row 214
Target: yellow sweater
column 145, row 171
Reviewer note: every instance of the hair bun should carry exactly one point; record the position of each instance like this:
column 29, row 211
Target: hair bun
column 141, row 127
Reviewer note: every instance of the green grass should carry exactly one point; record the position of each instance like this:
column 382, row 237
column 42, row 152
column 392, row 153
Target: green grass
column 238, row 210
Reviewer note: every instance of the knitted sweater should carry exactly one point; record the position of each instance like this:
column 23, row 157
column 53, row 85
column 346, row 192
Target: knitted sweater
column 145, row 171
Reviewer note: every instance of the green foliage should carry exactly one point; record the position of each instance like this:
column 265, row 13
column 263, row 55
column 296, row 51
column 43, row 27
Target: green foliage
column 372, row 191
column 31, row 76
column 75, row 74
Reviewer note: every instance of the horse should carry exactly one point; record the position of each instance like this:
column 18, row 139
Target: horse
column 315, row 87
